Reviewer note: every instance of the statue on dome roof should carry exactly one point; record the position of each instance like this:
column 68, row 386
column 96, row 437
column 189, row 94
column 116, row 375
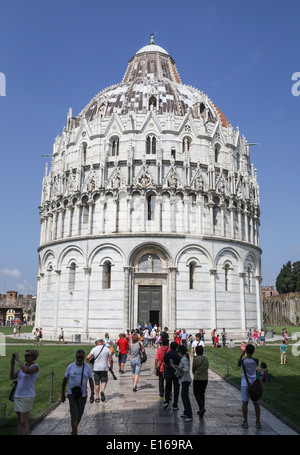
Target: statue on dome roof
column 152, row 39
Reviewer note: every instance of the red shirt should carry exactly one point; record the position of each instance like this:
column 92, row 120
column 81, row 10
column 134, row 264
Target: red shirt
column 123, row 345
column 160, row 355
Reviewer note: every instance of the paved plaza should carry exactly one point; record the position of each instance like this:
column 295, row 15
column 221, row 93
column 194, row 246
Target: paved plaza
column 125, row 412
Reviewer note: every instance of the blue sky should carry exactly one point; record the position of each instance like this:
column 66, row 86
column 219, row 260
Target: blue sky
column 60, row 54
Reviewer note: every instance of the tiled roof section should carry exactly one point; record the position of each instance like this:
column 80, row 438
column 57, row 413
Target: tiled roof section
column 151, row 72
column 224, row 120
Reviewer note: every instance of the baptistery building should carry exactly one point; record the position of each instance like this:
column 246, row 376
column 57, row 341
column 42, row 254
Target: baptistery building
column 149, row 212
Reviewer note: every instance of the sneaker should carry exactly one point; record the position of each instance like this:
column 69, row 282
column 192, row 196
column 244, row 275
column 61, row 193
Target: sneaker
column 183, row 415
column 166, row 405
column 102, row 396
column 175, row 408
column 258, row 425
column 134, row 389
column 188, row 419
column 245, row 425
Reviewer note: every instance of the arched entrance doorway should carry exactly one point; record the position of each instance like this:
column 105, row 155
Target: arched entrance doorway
column 152, row 286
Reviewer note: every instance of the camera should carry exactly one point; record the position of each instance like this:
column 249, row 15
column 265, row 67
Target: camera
column 13, row 356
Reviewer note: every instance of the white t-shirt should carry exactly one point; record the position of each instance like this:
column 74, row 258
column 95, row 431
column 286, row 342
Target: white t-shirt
column 250, row 367
column 26, row 384
column 101, row 363
column 74, row 373
column 195, row 344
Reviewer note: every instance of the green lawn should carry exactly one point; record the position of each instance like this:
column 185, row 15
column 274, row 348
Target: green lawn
column 284, row 396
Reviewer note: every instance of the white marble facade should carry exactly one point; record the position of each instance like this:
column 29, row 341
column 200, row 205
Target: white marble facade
column 150, row 187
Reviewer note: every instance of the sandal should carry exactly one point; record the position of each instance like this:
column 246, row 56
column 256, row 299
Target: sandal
column 97, row 400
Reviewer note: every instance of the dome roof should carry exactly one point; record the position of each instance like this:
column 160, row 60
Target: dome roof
column 151, row 74
column 152, row 48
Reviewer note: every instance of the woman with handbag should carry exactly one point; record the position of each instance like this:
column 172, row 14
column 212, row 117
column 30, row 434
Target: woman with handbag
column 200, row 372
column 135, row 362
column 184, row 378
column 25, row 390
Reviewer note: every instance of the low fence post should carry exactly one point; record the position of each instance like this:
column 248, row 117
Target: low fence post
column 51, row 386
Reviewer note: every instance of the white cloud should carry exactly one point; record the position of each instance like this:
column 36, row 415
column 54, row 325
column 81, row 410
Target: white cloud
column 11, row 272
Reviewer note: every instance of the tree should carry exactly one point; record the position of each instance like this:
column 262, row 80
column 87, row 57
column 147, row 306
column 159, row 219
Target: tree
column 288, row 279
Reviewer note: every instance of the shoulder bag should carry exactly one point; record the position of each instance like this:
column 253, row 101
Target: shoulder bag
column 77, row 391
column 143, row 355
column 255, row 389
column 12, row 392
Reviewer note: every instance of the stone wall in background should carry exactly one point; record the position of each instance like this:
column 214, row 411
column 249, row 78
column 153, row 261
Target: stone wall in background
column 282, row 309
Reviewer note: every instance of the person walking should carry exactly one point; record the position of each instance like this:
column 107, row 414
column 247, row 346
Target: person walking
column 25, row 391
column 200, row 372
column 159, row 362
column 135, row 361
column 197, row 342
column 78, row 374
column 185, row 381
column 283, row 351
column 249, row 368
column 61, row 335
column 170, row 377
column 123, row 347
column 101, row 355
column 184, row 337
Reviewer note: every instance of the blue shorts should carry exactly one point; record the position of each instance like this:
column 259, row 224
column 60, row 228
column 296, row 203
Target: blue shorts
column 135, row 366
column 245, row 394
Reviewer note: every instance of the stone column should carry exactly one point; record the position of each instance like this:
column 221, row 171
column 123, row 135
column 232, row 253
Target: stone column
column 242, row 296
column 40, row 280
column 87, row 271
column 246, row 225
column 172, row 296
column 128, row 214
column 259, row 301
column 90, row 223
column 56, row 302
column 211, row 217
column 127, row 297
column 78, row 218
column 222, row 207
column 54, row 224
column 213, row 274
column 240, row 236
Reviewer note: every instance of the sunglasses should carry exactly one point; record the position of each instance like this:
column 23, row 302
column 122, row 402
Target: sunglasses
column 80, row 358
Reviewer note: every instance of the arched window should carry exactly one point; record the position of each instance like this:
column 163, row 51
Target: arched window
column 227, row 277
column 217, row 153
column 151, row 145
column 152, row 103
column 150, row 207
column 84, row 151
column 72, row 276
column 106, row 277
column 192, row 273
column 186, row 141
column 173, row 153
column 249, row 278
column 115, row 147
column 49, row 277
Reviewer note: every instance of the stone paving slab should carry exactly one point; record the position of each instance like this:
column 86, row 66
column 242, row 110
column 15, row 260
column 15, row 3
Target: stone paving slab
column 125, row 412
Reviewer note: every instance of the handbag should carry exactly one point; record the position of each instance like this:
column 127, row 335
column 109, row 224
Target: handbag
column 178, row 374
column 92, row 360
column 77, row 391
column 255, row 389
column 143, row 355
column 13, row 390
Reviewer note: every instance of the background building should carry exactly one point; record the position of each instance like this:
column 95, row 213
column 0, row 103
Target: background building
column 150, row 212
